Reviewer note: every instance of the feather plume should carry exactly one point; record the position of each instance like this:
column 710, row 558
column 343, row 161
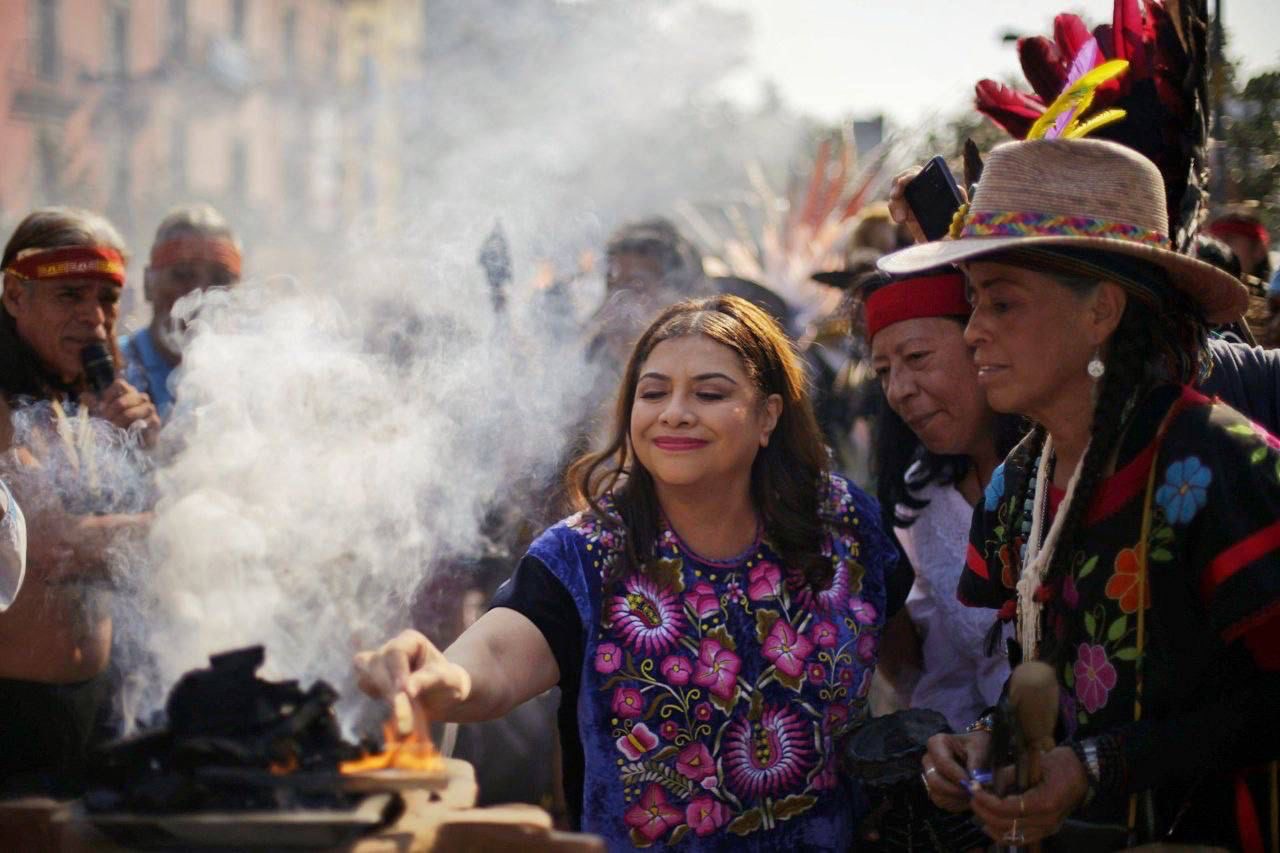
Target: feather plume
column 1164, row 95
column 1103, row 34
column 1043, row 65
column 779, row 239
column 1129, row 43
column 1100, row 120
column 1015, row 111
column 1077, row 99
column 972, row 163
column 1070, row 34
column 1085, row 61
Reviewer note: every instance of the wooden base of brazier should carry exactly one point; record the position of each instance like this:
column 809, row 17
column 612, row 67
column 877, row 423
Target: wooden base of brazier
column 441, row 820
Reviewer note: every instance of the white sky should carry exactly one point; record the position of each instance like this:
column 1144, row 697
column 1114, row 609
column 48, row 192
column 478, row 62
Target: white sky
column 915, row 60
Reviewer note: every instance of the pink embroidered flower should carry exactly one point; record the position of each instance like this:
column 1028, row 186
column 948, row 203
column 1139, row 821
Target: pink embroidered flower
column 669, row 730
column 695, row 762
column 764, row 581
column 702, row 599
column 825, row 634
column 717, row 669
column 653, row 816
column 769, row 757
column 816, row 673
column 835, row 716
column 610, row 540
column 648, row 618
column 676, row 669
column 846, row 676
column 1095, row 676
column 705, row 815
column 628, row 702
column 864, row 612
column 825, row 601
column 866, row 648
column 786, row 649
column 702, row 711
column 637, row 742
column 608, row 658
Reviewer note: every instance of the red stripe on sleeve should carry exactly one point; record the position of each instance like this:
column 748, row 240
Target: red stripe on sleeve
column 1239, row 555
column 973, row 562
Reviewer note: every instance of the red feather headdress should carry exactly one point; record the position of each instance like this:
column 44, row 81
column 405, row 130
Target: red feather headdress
column 1163, row 93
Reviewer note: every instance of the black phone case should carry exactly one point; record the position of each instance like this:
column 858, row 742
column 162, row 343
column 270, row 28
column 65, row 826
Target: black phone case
column 934, row 198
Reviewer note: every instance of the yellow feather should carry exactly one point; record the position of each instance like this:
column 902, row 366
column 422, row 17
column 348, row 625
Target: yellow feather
column 1078, row 97
column 1077, row 129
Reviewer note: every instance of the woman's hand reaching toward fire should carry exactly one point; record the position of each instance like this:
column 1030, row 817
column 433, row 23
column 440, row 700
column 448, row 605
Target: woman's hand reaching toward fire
column 499, row 662
column 411, row 664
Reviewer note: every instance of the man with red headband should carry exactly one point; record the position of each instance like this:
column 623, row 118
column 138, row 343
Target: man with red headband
column 63, row 272
column 1248, row 238
column 194, row 250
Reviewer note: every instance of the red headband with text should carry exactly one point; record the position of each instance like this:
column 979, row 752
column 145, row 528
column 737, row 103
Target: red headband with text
column 1233, row 227
column 938, row 295
column 217, row 250
column 75, row 262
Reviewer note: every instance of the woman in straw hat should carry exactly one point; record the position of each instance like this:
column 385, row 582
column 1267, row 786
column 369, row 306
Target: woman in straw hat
column 1133, row 535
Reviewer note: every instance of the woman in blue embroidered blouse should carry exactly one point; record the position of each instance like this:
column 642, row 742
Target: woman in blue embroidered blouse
column 711, row 616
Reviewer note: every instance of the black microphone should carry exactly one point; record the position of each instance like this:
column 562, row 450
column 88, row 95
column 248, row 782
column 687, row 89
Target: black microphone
column 99, row 367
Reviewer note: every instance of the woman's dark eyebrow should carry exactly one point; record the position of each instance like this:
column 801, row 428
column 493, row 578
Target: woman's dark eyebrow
column 661, row 377
column 703, row 377
column 995, row 279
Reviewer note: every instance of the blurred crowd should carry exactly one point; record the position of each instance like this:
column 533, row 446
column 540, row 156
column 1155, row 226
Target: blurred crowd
column 802, row 537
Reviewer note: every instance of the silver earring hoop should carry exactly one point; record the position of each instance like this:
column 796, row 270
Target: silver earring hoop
column 1096, row 368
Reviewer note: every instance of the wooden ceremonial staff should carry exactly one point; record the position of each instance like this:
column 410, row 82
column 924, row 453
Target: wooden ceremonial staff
column 1033, row 693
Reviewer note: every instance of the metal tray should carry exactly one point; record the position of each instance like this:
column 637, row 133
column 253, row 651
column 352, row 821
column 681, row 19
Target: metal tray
column 249, row 830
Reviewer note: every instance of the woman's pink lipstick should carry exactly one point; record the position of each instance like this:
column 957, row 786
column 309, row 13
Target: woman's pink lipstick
column 678, row 444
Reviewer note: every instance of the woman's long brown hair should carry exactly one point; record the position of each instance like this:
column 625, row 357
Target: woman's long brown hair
column 786, row 476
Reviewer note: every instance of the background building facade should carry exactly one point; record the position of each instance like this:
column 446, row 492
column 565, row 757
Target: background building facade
column 272, row 110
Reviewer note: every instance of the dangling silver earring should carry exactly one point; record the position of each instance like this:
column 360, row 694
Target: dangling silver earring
column 1096, row 368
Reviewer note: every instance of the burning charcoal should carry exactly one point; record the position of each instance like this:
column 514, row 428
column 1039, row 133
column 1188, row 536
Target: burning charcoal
column 233, row 741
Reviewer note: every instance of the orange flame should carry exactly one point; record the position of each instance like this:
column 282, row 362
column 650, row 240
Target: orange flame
column 285, row 767
column 412, row 752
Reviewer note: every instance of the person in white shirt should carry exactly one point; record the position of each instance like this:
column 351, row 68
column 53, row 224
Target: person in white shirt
column 13, row 548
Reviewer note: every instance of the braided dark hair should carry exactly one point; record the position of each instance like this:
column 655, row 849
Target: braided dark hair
column 1153, row 344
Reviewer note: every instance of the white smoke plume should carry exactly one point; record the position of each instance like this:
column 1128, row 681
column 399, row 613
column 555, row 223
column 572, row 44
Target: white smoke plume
column 338, row 437
column 322, row 459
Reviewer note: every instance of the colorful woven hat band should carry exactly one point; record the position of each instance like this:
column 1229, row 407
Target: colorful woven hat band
column 1014, row 224
column 75, row 262
column 938, row 295
column 217, row 250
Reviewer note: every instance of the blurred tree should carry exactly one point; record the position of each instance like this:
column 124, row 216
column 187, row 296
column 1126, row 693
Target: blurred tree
column 1252, row 127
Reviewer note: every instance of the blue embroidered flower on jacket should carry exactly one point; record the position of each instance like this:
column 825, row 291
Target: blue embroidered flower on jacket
column 1184, row 490
column 995, row 489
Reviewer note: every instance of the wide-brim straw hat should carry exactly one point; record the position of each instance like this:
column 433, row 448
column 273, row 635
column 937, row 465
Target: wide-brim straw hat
column 1086, row 193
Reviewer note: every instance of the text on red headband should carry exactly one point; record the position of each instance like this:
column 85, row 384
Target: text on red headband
column 73, row 262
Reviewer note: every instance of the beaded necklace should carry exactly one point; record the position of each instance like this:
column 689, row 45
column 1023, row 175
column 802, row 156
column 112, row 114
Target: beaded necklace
column 1037, row 547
